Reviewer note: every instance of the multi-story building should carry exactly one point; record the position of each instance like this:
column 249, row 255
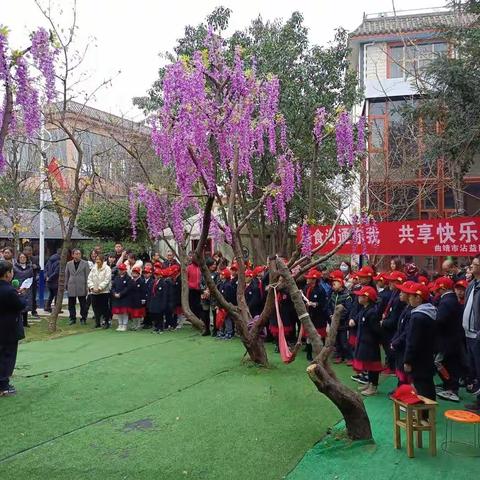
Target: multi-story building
column 390, row 51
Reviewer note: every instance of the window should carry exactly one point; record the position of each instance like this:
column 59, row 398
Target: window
column 429, row 199
column 409, row 60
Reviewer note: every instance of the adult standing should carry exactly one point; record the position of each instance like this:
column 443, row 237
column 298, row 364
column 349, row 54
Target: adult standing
column 170, row 261
column 471, row 325
column 22, row 271
column 52, row 272
column 99, row 285
column 76, row 277
column 11, row 330
column 33, row 259
column 8, row 254
column 194, row 279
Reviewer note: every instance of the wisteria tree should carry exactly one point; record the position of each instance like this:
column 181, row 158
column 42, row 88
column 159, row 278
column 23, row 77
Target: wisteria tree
column 215, row 119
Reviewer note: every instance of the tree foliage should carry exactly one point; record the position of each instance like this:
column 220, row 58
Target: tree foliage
column 106, row 220
column 309, row 76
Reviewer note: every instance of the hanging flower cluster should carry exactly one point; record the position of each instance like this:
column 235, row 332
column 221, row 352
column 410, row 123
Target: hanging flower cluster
column 361, row 135
column 44, row 57
column 306, row 240
column 27, row 99
column 345, row 141
column 133, row 213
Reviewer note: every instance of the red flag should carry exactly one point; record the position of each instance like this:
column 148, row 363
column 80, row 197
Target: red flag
column 54, row 170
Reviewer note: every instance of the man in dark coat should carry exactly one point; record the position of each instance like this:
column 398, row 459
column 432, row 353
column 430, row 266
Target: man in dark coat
column 34, row 261
column 11, row 329
column 52, row 272
column 160, row 302
column 420, row 341
column 451, row 339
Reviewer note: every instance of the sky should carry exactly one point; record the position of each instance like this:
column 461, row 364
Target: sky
column 126, row 37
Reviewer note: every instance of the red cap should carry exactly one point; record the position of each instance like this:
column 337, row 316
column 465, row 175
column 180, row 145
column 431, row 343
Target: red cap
column 147, row 269
column 396, row 276
column 443, row 282
column 122, row 267
column 406, row 394
column 368, row 291
column 419, row 289
column 157, row 265
column 381, row 276
column 174, row 270
column 137, row 269
column 234, row 267
column 422, row 279
column 158, row 271
column 226, row 273
column 365, row 271
column 336, row 275
column 404, row 287
column 249, row 273
column 461, row 284
column 258, row 270
column 313, row 273
column 431, row 286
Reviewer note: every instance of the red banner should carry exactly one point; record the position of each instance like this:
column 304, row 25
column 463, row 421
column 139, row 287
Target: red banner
column 459, row 236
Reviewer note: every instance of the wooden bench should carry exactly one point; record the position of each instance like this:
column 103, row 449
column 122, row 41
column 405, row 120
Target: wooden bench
column 415, row 421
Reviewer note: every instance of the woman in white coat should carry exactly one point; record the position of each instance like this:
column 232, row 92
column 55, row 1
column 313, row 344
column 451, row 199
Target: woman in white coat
column 99, row 285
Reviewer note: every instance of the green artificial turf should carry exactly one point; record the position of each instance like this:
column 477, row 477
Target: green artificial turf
column 110, row 405
column 337, row 458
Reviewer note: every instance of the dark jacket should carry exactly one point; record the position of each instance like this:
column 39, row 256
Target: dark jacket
column 123, row 286
column 369, row 334
column 52, row 270
column 399, row 340
column 450, row 333
column 10, row 321
column 319, row 314
column 225, row 287
column 148, row 284
column 420, row 341
column 383, row 298
column 175, row 292
column 160, row 298
column 138, row 297
column 392, row 313
column 254, row 298
column 344, row 298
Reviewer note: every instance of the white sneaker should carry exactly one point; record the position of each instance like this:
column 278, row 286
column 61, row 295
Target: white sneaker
column 449, row 395
column 119, row 328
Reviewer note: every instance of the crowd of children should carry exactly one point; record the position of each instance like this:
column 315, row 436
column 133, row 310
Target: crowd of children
column 423, row 327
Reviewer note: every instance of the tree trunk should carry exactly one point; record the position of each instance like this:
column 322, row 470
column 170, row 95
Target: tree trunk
column 191, row 317
column 458, row 191
column 349, row 403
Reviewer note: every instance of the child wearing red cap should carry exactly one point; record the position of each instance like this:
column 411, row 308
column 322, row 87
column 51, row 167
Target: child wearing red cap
column 316, row 301
column 159, row 301
column 460, row 289
column 253, row 295
column 340, row 296
column 390, row 317
column 451, row 339
column 175, row 284
column 121, row 291
column 420, row 341
column 147, row 279
column 138, row 298
column 367, row 351
column 224, row 323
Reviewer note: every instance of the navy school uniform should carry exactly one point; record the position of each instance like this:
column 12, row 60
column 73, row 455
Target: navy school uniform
column 420, row 348
column 287, row 313
column 399, row 341
column 122, row 285
column 367, row 351
column 343, row 297
column 253, row 298
column 138, row 298
column 390, row 316
column 159, row 306
column 315, row 293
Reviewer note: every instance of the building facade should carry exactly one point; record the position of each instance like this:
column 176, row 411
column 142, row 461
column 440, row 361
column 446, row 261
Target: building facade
column 389, row 52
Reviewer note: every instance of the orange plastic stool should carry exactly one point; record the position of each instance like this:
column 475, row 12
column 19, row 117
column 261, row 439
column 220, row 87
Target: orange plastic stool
column 462, row 417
